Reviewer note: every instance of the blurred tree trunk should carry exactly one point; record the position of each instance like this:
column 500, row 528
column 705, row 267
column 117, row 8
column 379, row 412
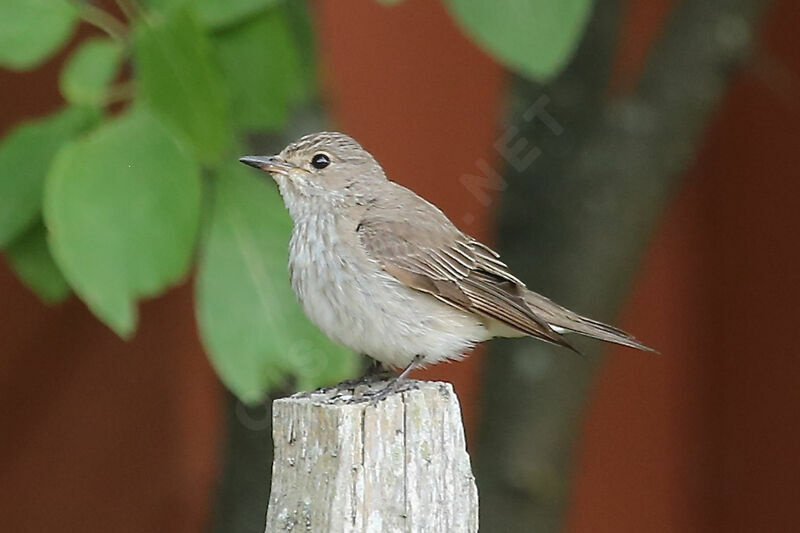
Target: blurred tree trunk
column 243, row 490
column 584, row 196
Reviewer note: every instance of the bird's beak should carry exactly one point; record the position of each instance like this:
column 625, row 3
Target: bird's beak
column 271, row 164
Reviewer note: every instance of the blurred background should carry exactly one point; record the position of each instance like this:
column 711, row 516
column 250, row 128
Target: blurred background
column 644, row 171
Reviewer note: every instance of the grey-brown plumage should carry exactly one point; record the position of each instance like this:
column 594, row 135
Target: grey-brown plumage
column 428, row 253
column 382, row 270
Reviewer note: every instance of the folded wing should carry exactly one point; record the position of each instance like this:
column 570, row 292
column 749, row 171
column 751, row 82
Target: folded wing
column 416, row 243
column 427, row 253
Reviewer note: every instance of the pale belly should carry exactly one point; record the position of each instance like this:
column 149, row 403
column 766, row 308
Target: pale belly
column 367, row 310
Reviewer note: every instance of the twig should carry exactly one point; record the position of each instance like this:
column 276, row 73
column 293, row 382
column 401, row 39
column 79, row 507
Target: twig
column 130, row 9
column 120, row 92
column 101, row 19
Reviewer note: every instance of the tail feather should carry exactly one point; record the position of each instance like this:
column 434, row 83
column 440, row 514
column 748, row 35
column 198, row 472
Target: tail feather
column 560, row 317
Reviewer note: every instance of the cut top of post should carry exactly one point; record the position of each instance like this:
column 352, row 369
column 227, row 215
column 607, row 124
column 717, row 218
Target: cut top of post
column 344, row 464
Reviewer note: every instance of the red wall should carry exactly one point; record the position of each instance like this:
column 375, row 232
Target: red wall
column 705, row 437
column 102, row 435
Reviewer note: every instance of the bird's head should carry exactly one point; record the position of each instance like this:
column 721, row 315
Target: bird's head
column 327, row 166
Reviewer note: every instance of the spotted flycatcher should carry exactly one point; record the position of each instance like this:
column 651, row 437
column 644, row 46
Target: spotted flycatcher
column 383, row 271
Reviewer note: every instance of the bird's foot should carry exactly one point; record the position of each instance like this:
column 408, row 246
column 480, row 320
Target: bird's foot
column 397, row 385
column 367, row 379
column 362, row 388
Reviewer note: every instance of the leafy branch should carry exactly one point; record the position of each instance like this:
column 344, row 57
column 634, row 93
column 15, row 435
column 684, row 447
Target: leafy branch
column 115, row 205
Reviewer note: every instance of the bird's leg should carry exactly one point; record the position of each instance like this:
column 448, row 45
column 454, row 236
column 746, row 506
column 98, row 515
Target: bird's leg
column 376, row 372
column 415, row 362
column 396, row 382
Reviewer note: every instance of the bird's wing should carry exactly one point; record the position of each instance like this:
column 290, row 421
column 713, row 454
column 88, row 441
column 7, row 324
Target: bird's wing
column 426, row 252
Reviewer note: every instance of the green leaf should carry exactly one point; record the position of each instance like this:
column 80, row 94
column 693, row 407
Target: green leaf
column 261, row 67
column 250, row 322
column 177, row 78
column 213, row 13
column 30, row 258
column 32, row 30
column 302, row 33
column 85, row 78
column 157, row 8
column 122, row 207
column 389, row 2
column 25, row 156
column 534, row 37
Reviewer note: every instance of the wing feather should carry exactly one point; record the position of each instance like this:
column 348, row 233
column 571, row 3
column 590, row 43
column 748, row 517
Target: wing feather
column 414, row 242
column 430, row 255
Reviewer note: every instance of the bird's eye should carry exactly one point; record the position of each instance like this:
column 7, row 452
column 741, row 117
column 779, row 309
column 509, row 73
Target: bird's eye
column 320, row 161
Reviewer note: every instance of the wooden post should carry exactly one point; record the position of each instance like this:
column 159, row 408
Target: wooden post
column 399, row 465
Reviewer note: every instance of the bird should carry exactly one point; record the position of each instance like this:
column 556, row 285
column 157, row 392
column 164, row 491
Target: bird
column 382, row 271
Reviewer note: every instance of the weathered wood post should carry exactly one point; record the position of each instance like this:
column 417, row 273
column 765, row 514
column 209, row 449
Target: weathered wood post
column 396, row 466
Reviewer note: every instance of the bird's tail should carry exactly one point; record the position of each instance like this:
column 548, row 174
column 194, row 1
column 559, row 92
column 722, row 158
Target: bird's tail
column 561, row 318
